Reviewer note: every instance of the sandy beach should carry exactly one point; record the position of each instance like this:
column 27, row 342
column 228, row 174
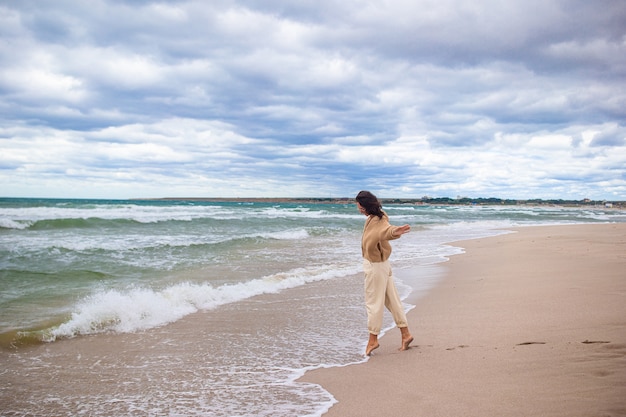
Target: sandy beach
column 531, row 323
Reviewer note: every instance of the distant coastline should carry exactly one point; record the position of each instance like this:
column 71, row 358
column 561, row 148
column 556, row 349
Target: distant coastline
column 424, row 201
column 409, row 201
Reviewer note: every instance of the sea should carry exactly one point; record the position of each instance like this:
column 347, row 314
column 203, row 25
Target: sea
column 207, row 308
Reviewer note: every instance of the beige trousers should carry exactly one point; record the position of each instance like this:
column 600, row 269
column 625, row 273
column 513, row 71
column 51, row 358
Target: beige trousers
column 380, row 292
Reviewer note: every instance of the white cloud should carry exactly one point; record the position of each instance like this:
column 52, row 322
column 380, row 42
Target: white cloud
column 41, row 84
column 556, row 142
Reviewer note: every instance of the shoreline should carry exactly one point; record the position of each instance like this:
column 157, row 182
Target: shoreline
column 526, row 323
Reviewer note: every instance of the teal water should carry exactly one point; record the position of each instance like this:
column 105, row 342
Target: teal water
column 55, row 252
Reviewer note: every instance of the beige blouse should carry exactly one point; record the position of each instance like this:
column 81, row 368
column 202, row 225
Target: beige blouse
column 377, row 233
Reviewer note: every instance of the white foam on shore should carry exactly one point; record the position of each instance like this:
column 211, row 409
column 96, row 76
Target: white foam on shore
column 138, row 309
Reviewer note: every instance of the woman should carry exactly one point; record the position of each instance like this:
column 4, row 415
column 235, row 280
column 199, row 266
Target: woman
column 380, row 290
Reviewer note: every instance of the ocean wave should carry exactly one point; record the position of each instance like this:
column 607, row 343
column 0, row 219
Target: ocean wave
column 14, row 224
column 292, row 234
column 136, row 309
column 78, row 223
column 58, row 219
column 66, row 217
column 118, row 243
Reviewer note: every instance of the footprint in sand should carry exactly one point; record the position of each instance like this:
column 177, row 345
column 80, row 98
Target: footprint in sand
column 459, row 346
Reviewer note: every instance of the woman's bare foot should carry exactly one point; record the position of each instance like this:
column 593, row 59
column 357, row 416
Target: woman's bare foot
column 370, row 348
column 372, row 344
column 406, row 342
column 406, row 338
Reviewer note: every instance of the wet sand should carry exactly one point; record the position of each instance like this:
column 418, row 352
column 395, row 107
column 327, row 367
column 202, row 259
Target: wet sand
column 531, row 323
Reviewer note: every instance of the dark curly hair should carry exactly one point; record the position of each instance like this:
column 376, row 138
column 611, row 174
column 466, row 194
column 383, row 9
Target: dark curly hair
column 370, row 203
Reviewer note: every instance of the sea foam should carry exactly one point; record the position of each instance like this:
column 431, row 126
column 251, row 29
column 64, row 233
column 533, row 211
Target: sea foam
column 135, row 309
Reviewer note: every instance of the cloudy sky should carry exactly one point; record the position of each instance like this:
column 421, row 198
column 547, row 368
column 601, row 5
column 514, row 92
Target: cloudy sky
column 313, row 98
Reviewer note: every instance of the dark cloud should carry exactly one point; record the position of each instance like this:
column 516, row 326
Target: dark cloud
column 614, row 136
